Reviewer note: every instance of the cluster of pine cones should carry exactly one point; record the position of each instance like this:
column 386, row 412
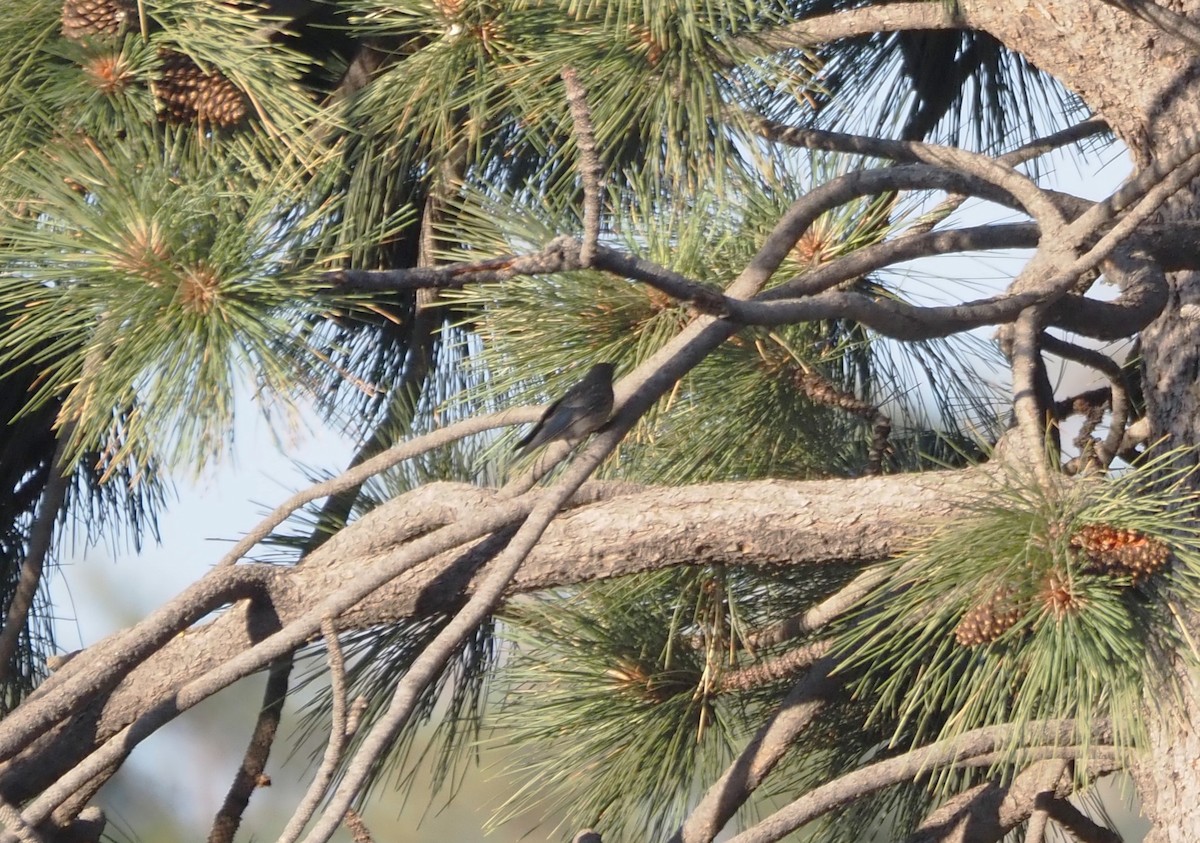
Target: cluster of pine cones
column 1105, row 550
column 188, row 93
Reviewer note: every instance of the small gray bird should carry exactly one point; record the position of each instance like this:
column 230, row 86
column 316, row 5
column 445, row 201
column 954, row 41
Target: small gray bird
column 582, row 410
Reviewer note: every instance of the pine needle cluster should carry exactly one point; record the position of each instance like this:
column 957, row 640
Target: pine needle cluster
column 613, row 695
column 1011, row 615
column 145, row 294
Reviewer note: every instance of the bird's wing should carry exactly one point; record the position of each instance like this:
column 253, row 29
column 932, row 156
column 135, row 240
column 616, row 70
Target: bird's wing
column 536, row 433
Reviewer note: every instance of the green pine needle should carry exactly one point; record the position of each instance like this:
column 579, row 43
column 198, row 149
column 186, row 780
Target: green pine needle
column 143, row 278
column 1083, row 642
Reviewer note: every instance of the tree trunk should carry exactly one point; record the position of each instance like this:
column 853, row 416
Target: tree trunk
column 1144, row 81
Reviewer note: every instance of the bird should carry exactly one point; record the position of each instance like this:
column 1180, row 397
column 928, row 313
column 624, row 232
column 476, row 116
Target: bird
column 582, row 410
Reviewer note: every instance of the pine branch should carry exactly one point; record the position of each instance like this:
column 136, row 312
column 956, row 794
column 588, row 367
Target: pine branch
column 250, row 772
column 775, row 669
column 1046, row 740
column 761, row 755
column 590, row 169
column 990, row 810
column 340, row 732
column 867, row 20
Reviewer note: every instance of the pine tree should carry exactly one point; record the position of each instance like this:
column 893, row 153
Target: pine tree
column 420, row 213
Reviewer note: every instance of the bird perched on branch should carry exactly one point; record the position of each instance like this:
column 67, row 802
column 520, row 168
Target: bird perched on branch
column 582, row 410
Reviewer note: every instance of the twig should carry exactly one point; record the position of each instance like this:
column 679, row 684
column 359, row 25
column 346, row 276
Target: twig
column 591, row 171
column 41, row 537
column 250, row 772
column 452, row 276
column 339, row 734
column 817, row 616
column 1048, row 739
column 562, row 254
column 1090, row 357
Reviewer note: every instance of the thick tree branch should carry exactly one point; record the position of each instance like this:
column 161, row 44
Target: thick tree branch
column 812, row 523
column 989, row 811
column 1079, row 825
column 78, row 680
column 864, row 20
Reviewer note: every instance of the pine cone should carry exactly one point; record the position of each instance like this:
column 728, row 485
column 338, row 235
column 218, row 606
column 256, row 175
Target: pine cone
column 1120, row 552
column 987, row 621
column 191, row 95
column 88, row 19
